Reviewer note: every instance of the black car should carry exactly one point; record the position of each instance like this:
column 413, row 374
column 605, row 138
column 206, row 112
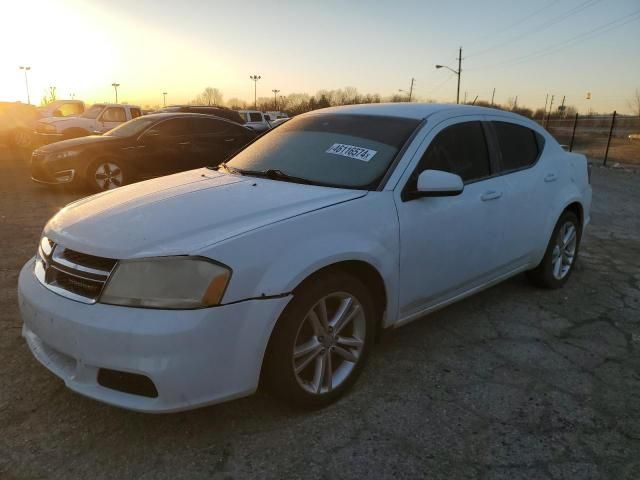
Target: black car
column 146, row 147
column 222, row 112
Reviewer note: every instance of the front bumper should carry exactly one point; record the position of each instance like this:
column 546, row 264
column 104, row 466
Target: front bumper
column 193, row 357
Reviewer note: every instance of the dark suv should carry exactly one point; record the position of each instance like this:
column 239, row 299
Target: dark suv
column 223, row 112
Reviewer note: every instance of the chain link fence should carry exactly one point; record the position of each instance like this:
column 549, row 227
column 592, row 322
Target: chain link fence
column 605, row 139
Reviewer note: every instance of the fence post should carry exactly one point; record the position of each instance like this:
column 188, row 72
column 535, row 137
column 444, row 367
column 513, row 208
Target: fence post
column 573, row 134
column 606, row 152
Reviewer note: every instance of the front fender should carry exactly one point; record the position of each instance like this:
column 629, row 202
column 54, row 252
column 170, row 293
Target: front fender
column 275, row 259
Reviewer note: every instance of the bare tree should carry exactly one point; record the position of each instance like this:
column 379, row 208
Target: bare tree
column 634, row 103
column 236, row 103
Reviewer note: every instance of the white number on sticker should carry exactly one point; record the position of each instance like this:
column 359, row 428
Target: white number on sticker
column 352, row 151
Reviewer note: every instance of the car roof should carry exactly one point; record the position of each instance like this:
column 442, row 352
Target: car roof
column 163, row 115
column 417, row 111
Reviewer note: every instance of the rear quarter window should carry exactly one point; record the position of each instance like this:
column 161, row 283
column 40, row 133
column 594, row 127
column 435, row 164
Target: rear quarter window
column 519, row 146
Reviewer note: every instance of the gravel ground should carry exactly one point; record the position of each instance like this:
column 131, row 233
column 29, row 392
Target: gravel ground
column 514, row 382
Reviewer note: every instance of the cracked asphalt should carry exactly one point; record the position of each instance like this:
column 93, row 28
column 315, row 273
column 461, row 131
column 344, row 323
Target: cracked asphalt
column 513, row 383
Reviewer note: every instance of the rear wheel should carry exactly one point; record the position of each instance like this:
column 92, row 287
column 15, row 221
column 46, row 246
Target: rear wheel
column 106, row 174
column 562, row 251
column 321, row 341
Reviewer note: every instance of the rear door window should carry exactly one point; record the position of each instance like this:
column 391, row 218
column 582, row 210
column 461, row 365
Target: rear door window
column 135, row 112
column 255, row 117
column 519, row 146
column 460, row 149
column 208, row 126
column 173, row 128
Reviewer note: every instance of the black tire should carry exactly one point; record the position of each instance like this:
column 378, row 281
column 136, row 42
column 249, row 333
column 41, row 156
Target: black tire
column 543, row 275
column 279, row 376
column 112, row 170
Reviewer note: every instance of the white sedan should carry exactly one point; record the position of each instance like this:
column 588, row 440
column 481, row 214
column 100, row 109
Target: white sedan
column 282, row 265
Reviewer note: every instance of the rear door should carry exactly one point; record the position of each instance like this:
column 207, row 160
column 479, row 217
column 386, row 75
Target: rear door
column 529, row 192
column 215, row 140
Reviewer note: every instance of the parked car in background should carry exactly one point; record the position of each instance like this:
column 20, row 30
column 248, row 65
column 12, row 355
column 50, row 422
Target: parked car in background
column 100, row 118
column 148, row 146
column 62, row 108
column 282, row 266
column 279, row 121
column 19, row 120
column 276, row 115
column 16, row 123
column 222, row 112
column 255, row 120
column 634, row 137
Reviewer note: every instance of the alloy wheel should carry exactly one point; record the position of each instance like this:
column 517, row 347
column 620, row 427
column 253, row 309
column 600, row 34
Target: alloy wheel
column 564, row 251
column 329, row 343
column 108, row 176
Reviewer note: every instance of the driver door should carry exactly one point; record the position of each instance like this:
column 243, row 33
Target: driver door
column 165, row 148
column 450, row 244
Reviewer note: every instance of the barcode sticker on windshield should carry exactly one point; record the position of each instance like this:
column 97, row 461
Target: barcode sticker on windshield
column 352, row 151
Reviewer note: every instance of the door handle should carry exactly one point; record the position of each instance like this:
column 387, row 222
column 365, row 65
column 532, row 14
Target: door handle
column 551, row 177
column 490, row 195
column 229, row 139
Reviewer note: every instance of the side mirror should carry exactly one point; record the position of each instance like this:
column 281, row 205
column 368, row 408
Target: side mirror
column 436, row 183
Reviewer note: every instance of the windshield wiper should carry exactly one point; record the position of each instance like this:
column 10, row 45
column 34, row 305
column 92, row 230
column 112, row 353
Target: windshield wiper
column 271, row 174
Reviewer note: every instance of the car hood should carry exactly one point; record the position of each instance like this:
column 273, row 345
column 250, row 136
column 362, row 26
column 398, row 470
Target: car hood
column 79, row 142
column 183, row 213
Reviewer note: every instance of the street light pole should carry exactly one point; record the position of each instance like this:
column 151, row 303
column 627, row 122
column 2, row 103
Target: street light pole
column 164, row 98
column 115, row 87
column 255, row 79
column 457, row 72
column 275, row 98
column 26, row 82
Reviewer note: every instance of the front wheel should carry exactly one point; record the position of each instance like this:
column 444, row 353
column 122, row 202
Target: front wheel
column 321, row 341
column 562, row 251
column 106, row 174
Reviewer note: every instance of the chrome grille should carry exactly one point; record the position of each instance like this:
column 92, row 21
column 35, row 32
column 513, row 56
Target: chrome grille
column 72, row 274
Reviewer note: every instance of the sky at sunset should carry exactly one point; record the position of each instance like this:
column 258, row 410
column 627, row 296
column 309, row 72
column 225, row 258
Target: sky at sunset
column 528, row 49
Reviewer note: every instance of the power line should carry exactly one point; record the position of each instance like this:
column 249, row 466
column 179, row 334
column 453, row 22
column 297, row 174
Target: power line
column 518, row 22
column 551, row 49
column 554, row 21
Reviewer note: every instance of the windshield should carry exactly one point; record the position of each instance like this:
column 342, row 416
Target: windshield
column 93, row 112
column 132, row 128
column 349, row 151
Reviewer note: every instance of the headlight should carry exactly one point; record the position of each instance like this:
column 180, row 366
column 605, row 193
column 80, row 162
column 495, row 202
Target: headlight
column 64, row 154
column 167, row 282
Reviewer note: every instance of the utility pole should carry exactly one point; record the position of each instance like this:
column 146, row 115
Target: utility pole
column 550, row 109
column 561, row 107
column 546, row 101
column 255, row 79
column 164, row 99
column 115, row 87
column 493, row 95
column 275, row 99
column 411, row 89
column 457, row 72
column 26, row 82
